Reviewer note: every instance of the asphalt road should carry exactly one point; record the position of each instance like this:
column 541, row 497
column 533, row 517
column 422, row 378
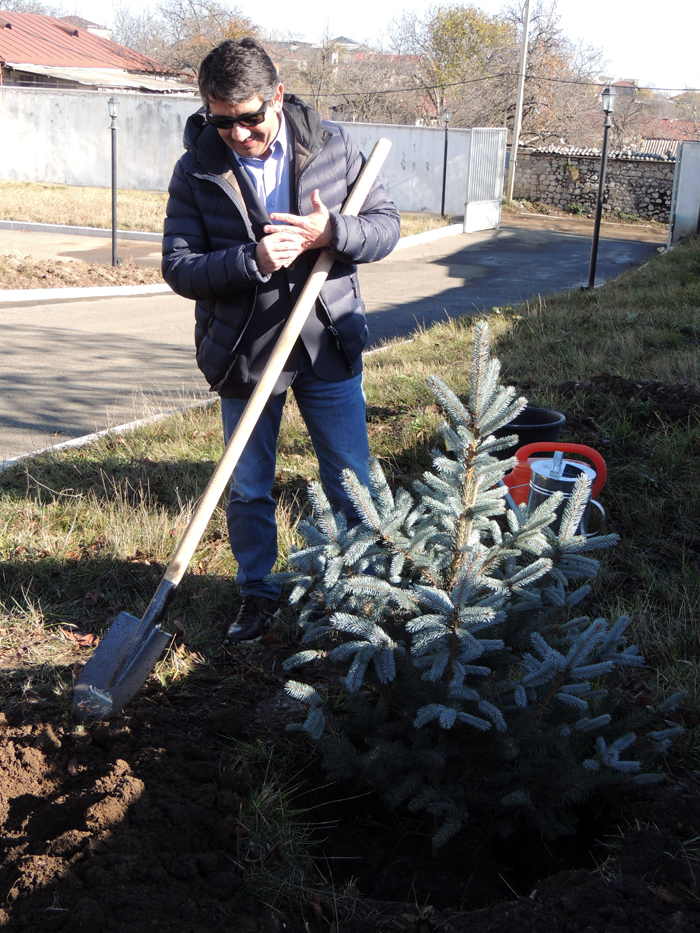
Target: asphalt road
column 69, row 368
column 528, row 256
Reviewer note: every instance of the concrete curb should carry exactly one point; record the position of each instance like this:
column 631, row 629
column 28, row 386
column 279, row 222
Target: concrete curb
column 119, row 429
column 22, row 296
column 26, row 296
column 132, row 425
column 28, row 227
column 429, row 236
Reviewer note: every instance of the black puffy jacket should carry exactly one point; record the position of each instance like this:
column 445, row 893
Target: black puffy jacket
column 214, row 221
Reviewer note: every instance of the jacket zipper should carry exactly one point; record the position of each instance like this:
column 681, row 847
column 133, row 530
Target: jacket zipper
column 331, row 328
column 214, row 179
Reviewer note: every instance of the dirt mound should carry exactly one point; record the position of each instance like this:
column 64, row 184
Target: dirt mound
column 136, row 825
column 670, row 402
column 26, row 272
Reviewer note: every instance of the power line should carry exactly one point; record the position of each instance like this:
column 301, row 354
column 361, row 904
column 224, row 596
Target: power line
column 420, row 87
column 502, row 74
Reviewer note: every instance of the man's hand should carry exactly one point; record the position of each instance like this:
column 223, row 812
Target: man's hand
column 278, row 248
column 315, row 229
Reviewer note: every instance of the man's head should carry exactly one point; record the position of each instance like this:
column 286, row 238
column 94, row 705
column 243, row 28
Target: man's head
column 241, row 90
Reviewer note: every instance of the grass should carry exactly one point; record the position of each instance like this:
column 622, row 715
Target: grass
column 81, row 206
column 86, row 533
column 136, row 210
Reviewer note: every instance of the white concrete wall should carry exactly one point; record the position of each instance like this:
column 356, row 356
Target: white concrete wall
column 64, row 137
column 413, row 170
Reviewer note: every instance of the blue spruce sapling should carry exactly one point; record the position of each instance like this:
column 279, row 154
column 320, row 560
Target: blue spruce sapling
column 466, row 684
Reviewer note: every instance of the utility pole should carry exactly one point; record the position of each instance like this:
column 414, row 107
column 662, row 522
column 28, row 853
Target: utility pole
column 518, row 105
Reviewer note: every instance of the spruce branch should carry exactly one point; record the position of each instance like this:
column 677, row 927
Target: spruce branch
column 474, row 689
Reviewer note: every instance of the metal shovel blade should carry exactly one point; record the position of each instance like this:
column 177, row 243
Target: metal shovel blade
column 118, row 668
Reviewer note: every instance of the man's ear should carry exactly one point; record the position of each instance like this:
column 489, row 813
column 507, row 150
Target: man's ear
column 278, row 99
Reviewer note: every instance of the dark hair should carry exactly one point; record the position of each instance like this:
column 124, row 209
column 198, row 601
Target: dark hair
column 234, row 72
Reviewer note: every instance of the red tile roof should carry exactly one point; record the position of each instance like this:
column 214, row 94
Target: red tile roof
column 659, row 128
column 27, row 38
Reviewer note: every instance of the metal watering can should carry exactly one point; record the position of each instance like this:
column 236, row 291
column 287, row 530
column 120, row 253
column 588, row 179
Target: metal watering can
column 534, row 479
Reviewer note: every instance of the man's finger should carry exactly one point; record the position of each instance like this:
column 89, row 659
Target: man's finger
column 316, row 201
column 291, row 219
column 275, row 228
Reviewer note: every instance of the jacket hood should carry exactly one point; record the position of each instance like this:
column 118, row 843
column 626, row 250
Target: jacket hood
column 196, row 122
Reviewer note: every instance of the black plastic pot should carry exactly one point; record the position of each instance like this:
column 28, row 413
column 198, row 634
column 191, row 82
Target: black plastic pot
column 532, row 426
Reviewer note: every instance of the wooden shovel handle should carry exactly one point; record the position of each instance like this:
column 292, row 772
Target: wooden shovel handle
column 222, row 474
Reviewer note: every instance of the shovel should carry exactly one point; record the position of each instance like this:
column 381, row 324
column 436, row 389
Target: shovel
column 128, row 652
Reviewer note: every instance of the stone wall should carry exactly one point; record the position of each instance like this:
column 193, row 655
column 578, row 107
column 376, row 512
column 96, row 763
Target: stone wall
column 641, row 187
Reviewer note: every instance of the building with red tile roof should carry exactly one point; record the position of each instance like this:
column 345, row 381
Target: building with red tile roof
column 41, row 51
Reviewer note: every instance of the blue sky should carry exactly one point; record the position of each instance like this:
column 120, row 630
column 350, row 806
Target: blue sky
column 642, row 39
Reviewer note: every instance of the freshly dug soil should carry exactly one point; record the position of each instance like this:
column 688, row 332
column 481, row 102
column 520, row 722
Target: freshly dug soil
column 146, row 823
column 663, row 401
column 138, row 825
column 26, row 272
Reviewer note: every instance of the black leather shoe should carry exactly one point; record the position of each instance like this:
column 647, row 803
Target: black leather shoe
column 252, row 618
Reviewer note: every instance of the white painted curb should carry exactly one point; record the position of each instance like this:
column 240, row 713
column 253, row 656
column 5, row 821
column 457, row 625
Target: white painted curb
column 22, row 226
column 132, row 425
column 20, row 296
column 417, row 238
column 119, row 429
column 17, row 296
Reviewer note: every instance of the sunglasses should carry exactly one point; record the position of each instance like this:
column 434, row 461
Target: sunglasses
column 245, row 119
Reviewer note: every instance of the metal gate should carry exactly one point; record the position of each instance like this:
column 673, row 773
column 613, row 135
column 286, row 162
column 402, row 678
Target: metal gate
column 685, row 202
column 415, row 171
column 487, row 160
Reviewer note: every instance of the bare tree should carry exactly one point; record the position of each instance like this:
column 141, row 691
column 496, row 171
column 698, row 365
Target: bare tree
column 450, row 45
column 375, row 87
column 635, row 116
column 181, row 32
column 354, row 83
column 32, row 6
column 687, row 107
column 469, row 61
column 193, row 27
column 560, row 103
column 316, row 73
column 142, row 32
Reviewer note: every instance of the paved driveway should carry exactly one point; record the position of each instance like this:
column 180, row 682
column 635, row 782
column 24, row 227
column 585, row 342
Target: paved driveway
column 526, row 257
column 71, row 368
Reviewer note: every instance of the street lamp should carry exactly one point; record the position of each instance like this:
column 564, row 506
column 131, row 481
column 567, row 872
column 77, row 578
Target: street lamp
column 608, row 99
column 113, row 105
column 446, row 114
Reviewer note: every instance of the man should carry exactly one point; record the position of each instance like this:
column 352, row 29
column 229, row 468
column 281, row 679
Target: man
column 255, row 197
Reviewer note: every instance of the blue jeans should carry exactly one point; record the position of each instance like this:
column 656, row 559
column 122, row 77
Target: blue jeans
column 334, row 413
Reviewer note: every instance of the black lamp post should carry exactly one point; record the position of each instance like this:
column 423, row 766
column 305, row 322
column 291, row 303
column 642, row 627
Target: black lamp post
column 608, row 98
column 446, row 114
column 113, row 105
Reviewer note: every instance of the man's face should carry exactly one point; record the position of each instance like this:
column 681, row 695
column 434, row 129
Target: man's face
column 249, row 141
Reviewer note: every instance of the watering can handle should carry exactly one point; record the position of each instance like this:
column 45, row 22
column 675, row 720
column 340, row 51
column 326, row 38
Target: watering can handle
column 548, row 446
